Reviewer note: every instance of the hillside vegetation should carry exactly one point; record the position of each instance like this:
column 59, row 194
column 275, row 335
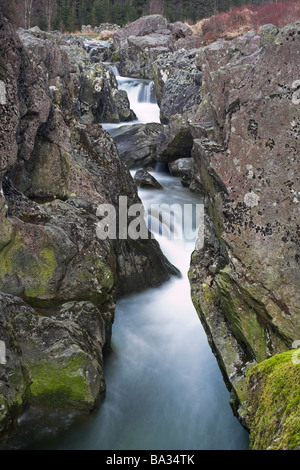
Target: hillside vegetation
column 70, row 15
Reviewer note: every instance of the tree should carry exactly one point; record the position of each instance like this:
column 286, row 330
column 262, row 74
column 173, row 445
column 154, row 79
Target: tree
column 49, row 8
column 72, row 22
column 30, row 7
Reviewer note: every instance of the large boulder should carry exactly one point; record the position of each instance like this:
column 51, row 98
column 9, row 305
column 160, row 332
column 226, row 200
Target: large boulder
column 245, row 280
column 52, row 358
column 66, row 370
column 178, row 82
column 136, row 144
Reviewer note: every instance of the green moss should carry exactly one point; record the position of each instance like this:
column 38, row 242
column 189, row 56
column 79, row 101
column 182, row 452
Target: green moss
column 245, row 315
column 274, row 403
column 61, row 383
column 115, row 57
column 45, row 269
column 35, row 269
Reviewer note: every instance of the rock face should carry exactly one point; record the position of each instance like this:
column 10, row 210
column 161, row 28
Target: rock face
column 178, row 81
column 245, row 282
column 87, row 89
column 58, row 280
column 139, row 43
column 231, row 109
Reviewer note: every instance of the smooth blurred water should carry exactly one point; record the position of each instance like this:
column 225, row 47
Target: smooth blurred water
column 164, row 388
column 141, row 95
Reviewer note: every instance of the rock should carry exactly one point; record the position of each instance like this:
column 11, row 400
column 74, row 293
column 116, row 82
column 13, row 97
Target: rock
column 56, row 172
column 136, row 144
column 66, row 370
column 49, row 358
column 141, row 42
column 181, row 30
column 254, row 292
column 182, row 168
column 123, row 106
column 99, row 29
column 268, row 33
column 100, row 98
column 177, row 83
column 141, row 27
column 99, row 51
column 14, row 378
column 189, row 42
column 143, row 179
column 176, row 141
column 273, row 406
column 77, row 84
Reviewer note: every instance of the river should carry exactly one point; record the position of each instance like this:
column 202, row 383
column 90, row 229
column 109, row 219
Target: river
column 164, row 388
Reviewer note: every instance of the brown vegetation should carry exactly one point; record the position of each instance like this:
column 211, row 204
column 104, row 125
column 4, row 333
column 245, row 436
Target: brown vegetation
column 239, row 20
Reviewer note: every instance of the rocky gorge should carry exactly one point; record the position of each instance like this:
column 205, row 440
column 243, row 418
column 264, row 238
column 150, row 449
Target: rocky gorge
column 229, row 127
column 59, row 282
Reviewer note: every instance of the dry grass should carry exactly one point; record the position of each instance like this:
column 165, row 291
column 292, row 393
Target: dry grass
column 239, row 20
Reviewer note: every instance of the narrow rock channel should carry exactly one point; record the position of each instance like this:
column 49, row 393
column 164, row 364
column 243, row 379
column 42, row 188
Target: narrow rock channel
column 164, row 387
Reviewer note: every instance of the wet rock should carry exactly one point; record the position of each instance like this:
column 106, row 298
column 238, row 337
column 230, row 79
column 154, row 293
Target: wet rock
column 99, row 51
column 143, row 179
column 182, row 168
column 62, row 351
column 53, row 359
column 136, row 144
column 177, row 83
column 14, row 377
column 176, row 141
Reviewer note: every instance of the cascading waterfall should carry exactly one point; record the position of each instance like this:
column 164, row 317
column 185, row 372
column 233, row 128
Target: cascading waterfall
column 141, row 95
column 164, row 388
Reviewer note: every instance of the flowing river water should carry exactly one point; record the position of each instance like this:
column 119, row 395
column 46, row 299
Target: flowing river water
column 164, row 388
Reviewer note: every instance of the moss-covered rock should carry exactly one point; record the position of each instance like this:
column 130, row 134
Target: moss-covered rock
column 33, row 263
column 62, row 352
column 274, row 403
